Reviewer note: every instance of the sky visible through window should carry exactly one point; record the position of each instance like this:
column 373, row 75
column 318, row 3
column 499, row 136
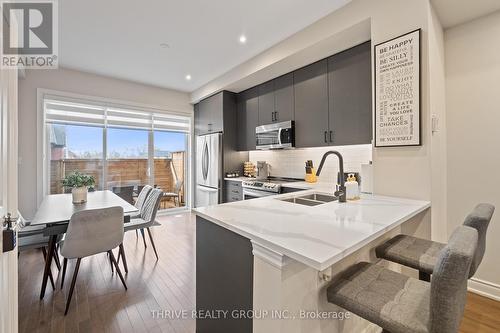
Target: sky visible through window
column 86, row 142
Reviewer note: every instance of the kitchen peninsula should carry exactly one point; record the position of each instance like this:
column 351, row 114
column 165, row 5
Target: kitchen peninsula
column 273, row 254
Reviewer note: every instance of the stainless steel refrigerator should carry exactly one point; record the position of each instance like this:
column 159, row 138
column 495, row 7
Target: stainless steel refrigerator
column 208, row 169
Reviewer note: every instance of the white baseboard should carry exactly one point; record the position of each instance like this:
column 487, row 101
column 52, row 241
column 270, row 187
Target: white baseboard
column 484, row 288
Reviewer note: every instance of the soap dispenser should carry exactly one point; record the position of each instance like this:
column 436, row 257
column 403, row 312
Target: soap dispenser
column 352, row 187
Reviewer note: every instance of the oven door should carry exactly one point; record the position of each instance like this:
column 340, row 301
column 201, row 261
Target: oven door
column 254, row 194
column 275, row 136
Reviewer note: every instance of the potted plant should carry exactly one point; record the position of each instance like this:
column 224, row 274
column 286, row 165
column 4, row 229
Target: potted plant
column 79, row 183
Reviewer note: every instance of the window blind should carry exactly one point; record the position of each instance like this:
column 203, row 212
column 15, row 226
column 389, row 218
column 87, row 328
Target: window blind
column 165, row 122
column 65, row 112
column 62, row 110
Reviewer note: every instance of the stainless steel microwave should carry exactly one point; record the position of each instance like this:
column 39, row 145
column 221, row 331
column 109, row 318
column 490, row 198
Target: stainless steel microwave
column 275, row 136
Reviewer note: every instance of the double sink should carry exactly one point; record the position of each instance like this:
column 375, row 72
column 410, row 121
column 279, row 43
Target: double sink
column 313, row 199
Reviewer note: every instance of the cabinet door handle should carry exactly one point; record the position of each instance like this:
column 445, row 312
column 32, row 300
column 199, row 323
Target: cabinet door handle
column 326, row 136
column 331, row 136
column 275, row 115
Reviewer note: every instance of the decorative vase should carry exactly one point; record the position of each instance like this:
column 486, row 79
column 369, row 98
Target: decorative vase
column 79, row 194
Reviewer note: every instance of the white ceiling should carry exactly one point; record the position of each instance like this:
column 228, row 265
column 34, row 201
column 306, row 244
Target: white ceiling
column 121, row 38
column 455, row 12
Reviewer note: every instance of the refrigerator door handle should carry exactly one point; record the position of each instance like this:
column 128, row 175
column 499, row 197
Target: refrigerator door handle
column 208, row 161
column 205, row 161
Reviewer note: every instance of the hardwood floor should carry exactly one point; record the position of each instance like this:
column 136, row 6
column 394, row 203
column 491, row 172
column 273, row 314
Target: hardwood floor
column 100, row 304
column 482, row 315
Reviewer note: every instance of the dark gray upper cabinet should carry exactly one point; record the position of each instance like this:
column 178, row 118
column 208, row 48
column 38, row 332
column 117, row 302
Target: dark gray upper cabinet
column 311, row 105
column 209, row 115
column 350, row 96
column 276, row 100
column 283, row 98
column 266, row 103
column 248, row 118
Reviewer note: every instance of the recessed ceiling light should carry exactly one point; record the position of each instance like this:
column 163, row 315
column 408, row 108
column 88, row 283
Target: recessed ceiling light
column 164, row 45
column 188, row 77
column 243, row 39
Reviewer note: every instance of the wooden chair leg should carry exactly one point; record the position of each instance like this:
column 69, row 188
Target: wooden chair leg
column 121, row 253
column 117, row 269
column 65, row 264
column 143, row 238
column 423, row 276
column 136, row 234
column 152, row 242
column 70, row 295
column 51, row 278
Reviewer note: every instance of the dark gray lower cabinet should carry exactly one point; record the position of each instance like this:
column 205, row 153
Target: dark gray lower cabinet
column 285, row 189
column 234, row 191
column 311, row 105
column 350, row 96
column 224, row 278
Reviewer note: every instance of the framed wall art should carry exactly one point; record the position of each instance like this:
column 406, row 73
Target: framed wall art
column 397, row 91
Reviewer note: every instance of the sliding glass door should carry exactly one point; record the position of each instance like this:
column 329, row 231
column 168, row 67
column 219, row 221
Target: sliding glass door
column 124, row 149
column 127, row 161
column 74, row 148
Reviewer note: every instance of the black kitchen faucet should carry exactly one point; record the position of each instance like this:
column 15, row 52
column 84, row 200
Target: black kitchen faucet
column 340, row 191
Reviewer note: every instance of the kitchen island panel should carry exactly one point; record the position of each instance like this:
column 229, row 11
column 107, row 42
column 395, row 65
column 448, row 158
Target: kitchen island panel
column 224, row 279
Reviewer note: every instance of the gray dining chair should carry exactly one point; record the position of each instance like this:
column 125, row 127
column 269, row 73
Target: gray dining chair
column 31, row 237
column 141, row 197
column 91, row 232
column 176, row 194
column 139, row 203
column 422, row 254
column 147, row 217
column 400, row 304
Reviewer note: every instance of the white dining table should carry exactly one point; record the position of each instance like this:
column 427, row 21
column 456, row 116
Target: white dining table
column 55, row 213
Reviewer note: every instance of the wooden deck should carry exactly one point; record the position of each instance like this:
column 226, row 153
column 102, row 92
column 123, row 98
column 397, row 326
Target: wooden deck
column 100, row 303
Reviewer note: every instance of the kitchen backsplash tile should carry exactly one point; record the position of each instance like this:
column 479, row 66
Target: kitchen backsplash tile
column 291, row 163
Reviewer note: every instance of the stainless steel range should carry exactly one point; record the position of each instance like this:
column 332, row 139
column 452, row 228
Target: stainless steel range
column 261, row 188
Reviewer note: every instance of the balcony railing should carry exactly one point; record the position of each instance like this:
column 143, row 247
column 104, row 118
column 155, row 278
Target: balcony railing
column 123, row 172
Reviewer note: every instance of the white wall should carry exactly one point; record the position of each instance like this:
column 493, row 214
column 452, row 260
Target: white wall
column 80, row 83
column 291, row 163
column 437, row 105
column 473, row 117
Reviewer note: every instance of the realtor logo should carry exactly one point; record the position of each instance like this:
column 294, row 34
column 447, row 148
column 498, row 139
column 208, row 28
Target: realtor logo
column 29, row 34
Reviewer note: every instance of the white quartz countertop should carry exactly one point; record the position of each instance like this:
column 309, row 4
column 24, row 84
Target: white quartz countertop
column 317, row 236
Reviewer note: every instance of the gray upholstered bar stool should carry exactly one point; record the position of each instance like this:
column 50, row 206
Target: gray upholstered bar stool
column 401, row 304
column 422, row 254
column 91, row 232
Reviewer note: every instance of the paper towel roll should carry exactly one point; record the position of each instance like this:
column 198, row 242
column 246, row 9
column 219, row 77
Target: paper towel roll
column 367, row 178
